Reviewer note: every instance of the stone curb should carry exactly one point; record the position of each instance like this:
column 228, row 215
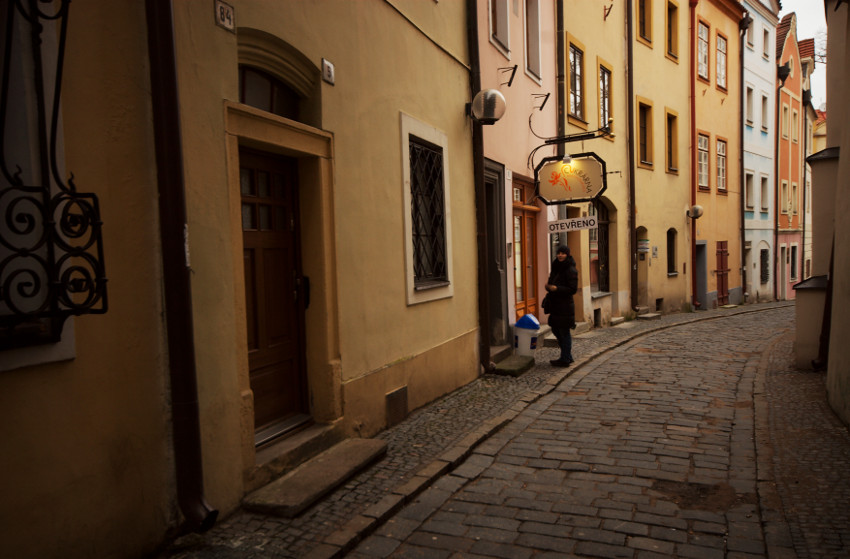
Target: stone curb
column 345, row 539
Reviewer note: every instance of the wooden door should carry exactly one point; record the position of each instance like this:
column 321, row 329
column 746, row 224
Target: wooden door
column 525, row 249
column 722, row 272
column 274, row 291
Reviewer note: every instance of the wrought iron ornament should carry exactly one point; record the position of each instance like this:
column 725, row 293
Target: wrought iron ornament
column 51, row 251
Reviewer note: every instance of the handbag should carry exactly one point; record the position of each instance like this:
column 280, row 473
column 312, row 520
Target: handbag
column 546, row 303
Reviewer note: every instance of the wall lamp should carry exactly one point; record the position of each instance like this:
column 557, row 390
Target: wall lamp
column 694, row 212
column 487, row 107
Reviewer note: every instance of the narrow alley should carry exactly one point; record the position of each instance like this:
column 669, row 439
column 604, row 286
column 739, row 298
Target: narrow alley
column 690, row 436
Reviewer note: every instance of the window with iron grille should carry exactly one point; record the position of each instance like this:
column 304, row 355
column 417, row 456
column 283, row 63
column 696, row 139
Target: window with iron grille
column 427, row 207
column 671, row 252
column 765, row 265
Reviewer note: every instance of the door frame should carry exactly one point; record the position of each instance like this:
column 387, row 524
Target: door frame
column 249, row 127
column 497, row 258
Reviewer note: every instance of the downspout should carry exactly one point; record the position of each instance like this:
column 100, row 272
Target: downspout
column 480, row 194
column 198, row 515
column 633, row 272
column 693, row 108
column 743, row 25
column 807, row 101
column 561, row 41
column 782, row 72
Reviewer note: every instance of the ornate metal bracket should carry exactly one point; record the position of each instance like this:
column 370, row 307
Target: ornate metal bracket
column 51, row 251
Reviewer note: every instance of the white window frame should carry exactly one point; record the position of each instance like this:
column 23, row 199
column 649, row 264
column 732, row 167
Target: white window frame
column 783, row 195
column 721, row 46
column 749, row 192
column 750, row 107
column 413, row 127
column 795, row 193
column 720, row 156
column 703, row 35
column 703, row 146
column 766, row 44
column 765, row 112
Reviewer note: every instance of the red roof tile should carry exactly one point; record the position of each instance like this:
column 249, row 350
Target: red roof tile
column 807, row 48
column 781, row 32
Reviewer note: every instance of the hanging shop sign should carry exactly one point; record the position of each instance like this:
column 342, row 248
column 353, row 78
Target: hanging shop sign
column 570, row 179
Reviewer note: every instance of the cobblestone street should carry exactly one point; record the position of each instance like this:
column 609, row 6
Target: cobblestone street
column 646, row 447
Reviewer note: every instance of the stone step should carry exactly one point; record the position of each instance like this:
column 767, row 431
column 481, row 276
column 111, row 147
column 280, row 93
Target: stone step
column 617, row 320
column 498, row 353
column 642, row 310
column 293, row 493
column 649, row 316
column 514, row 366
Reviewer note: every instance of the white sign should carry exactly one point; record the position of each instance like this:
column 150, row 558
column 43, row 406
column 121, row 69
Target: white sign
column 575, row 224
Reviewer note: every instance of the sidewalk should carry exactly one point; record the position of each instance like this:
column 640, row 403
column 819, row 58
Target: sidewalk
column 429, row 443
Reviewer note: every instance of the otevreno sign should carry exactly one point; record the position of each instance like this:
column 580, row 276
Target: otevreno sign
column 575, row 224
column 580, row 178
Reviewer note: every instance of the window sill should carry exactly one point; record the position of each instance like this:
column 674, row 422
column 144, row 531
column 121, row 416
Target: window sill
column 672, row 274
column 722, row 191
column 645, row 165
column 673, row 170
column 672, row 57
column 427, row 285
column 600, row 294
column 577, row 121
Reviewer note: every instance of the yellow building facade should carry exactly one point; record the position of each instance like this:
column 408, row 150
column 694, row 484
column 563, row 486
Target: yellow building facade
column 716, row 141
column 320, row 307
column 661, row 148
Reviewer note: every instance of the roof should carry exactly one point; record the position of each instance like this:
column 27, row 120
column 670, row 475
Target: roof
column 821, row 116
column 807, row 48
column 781, row 32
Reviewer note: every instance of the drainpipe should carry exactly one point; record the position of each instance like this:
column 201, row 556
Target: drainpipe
column 633, row 272
column 693, row 87
column 743, row 25
column 480, row 194
column 561, row 40
column 807, row 101
column 198, row 515
column 782, row 72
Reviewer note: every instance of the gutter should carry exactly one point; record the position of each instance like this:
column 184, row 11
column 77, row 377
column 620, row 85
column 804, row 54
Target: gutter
column 743, row 25
column 561, row 40
column 633, row 271
column 198, row 515
column 480, row 194
column 693, row 86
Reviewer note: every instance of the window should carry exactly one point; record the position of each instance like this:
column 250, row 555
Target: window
column 671, row 252
column 748, row 191
column 785, row 120
column 604, row 96
column 499, row 24
column 794, row 195
column 765, row 200
column 532, row 37
column 672, row 30
column 721, row 61
column 765, row 265
column 766, row 44
column 750, row 35
column 749, row 107
column 795, row 133
column 784, row 197
column 428, row 251
column 794, row 267
column 702, row 52
column 576, row 82
column 645, row 134
column 644, row 20
column 672, row 142
column 721, row 165
column 702, row 161
column 765, row 112
column 267, row 93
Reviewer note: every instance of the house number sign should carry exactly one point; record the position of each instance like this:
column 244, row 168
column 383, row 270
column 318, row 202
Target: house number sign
column 225, row 16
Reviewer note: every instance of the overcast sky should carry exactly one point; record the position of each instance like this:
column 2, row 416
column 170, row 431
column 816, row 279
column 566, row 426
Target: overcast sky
column 811, row 23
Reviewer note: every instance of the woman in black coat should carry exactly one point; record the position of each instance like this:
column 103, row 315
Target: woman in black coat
column 562, row 285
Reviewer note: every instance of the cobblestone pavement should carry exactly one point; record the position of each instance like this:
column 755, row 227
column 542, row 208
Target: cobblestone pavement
column 809, row 457
column 418, row 444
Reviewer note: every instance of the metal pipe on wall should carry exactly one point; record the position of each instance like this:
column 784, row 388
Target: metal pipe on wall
column 198, row 515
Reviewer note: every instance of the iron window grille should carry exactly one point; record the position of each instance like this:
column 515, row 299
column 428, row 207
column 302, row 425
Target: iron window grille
column 765, row 265
column 51, row 254
column 427, row 209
